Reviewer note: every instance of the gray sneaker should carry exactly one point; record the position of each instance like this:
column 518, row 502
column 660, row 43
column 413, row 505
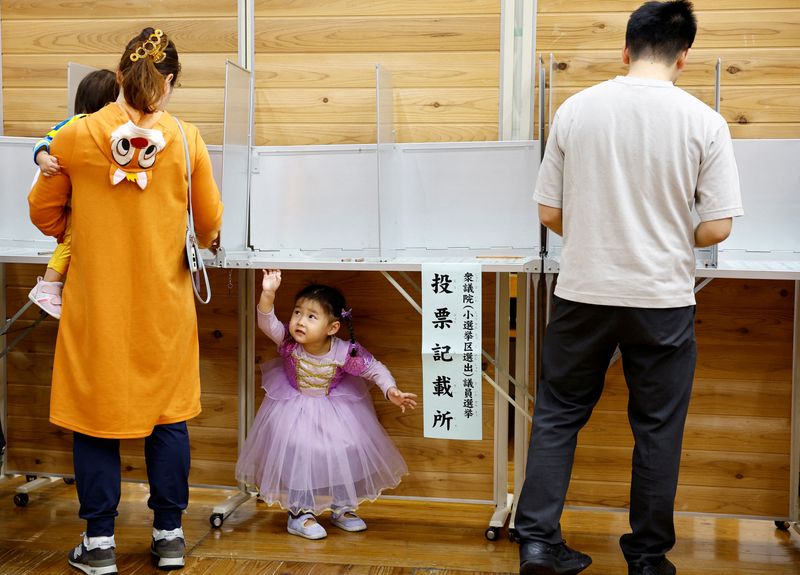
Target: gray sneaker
column 95, row 561
column 168, row 548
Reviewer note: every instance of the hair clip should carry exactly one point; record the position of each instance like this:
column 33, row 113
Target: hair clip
column 150, row 47
column 347, row 313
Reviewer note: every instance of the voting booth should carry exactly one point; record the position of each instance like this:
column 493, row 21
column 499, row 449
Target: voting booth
column 372, row 215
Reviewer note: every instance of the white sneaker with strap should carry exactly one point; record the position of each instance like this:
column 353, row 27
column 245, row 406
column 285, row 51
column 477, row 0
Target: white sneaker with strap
column 306, row 525
column 348, row 520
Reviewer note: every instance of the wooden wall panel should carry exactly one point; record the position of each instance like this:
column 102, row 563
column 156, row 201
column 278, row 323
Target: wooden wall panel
column 740, row 67
column 546, row 6
column 759, row 46
column 718, row 29
column 36, row 50
column 315, row 70
column 110, row 9
column 338, row 8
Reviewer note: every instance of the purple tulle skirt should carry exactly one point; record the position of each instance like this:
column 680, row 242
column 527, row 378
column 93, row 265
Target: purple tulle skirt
column 314, row 453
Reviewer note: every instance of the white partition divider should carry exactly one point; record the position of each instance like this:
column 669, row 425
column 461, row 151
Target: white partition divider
column 385, row 134
column 315, row 202
column 237, row 133
column 769, row 174
column 20, row 240
column 765, row 242
column 75, row 74
column 445, row 200
column 215, row 153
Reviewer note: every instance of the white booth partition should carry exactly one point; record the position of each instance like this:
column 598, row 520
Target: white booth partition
column 314, row 203
column 20, row 240
column 765, row 243
column 471, row 199
column 235, row 157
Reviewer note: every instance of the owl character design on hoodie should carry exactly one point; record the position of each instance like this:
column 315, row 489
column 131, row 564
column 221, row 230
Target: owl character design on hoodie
column 134, row 151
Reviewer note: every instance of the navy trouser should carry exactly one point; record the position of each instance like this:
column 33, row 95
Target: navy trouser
column 98, row 476
column 658, row 359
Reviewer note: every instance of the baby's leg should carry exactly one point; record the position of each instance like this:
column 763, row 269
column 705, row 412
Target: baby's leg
column 47, row 292
column 51, row 275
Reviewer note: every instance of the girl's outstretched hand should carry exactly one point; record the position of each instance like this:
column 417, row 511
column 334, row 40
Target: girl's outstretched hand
column 402, row 400
column 271, row 281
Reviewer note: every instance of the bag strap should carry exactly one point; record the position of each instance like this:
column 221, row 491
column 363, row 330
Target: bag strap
column 201, row 275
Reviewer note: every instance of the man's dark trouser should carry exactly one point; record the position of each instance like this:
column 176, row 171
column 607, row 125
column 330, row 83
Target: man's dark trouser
column 98, row 476
column 658, row 358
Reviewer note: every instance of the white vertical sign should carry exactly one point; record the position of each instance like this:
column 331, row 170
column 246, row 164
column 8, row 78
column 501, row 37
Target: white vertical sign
column 451, row 351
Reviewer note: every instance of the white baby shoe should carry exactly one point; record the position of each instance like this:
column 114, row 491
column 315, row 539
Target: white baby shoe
column 306, row 525
column 348, row 520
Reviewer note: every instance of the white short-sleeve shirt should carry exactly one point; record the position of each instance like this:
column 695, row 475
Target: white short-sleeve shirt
column 628, row 160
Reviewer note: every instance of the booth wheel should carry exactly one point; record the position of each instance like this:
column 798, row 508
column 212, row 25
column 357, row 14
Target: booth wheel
column 216, row 520
column 30, row 478
column 69, row 480
column 492, row 533
column 20, row 499
column 783, row 525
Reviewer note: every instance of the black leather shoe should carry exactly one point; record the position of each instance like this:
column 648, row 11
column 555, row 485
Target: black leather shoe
column 663, row 568
column 544, row 559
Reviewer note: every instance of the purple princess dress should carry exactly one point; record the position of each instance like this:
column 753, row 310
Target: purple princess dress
column 316, row 443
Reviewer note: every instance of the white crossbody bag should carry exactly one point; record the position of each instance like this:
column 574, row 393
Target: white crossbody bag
column 197, row 268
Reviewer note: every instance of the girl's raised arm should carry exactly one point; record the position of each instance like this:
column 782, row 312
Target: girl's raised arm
column 267, row 321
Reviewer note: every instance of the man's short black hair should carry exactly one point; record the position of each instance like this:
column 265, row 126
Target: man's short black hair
column 661, row 30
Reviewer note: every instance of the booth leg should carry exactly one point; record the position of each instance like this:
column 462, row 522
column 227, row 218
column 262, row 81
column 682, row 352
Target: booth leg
column 522, row 359
column 21, row 495
column 221, row 512
column 246, row 384
column 502, row 498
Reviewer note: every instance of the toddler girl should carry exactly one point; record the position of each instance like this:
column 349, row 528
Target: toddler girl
column 96, row 90
column 316, row 443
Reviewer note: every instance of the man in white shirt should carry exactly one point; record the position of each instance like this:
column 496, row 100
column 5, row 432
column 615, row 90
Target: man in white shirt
column 626, row 164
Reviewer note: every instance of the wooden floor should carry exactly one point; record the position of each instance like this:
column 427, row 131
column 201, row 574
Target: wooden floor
column 404, row 538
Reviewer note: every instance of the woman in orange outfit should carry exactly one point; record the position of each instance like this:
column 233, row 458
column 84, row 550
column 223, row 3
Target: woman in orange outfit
column 127, row 356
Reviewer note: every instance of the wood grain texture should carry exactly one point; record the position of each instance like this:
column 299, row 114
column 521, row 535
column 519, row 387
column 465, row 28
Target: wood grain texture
column 201, row 104
column 50, row 70
column 109, row 36
column 315, row 70
column 357, row 105
column 288, row 134
column 718, row 29
column 357, row 70
column 383, row 34
column 404, row 538
column 113, row 9
column 337, row 8
column 740, row 67
column 766, row 503
column 738, row 104
column 628, row 6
